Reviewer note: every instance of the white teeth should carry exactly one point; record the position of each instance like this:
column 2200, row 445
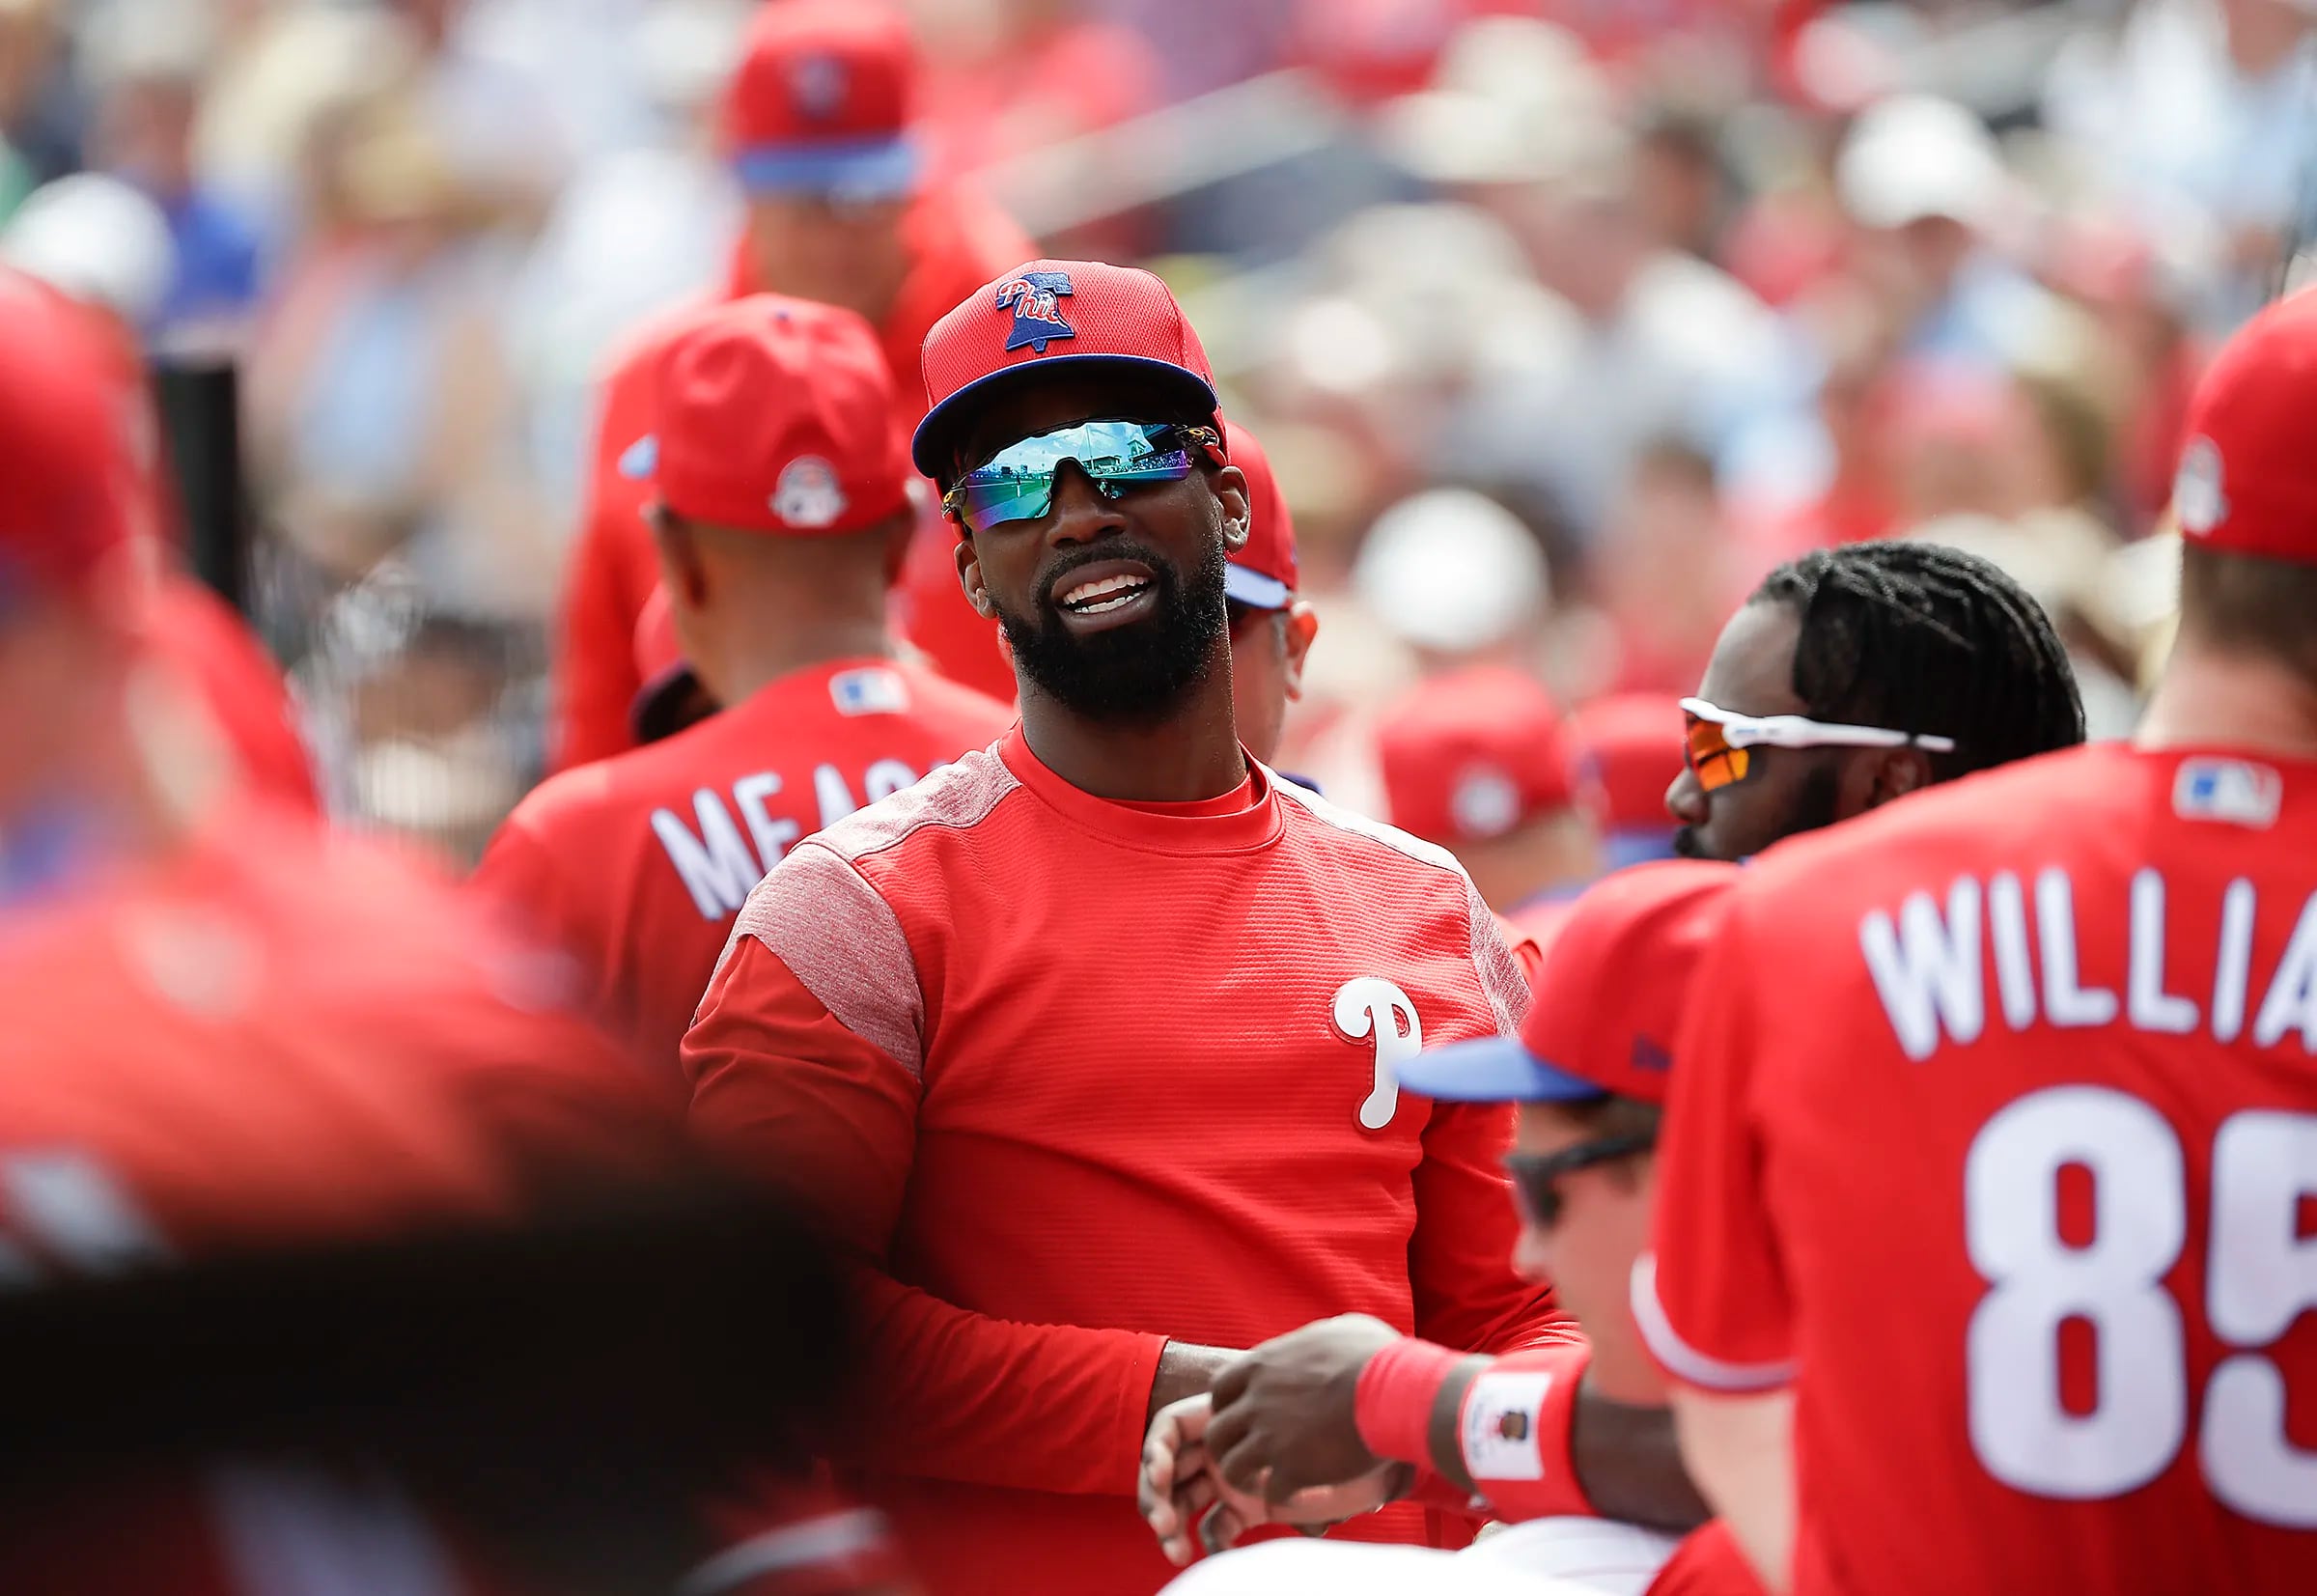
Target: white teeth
column 1106, row 605
column 1086, row 592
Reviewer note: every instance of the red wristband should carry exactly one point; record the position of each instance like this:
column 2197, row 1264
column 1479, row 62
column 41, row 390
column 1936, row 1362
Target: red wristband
column 1514, row 1432
column 1392, row 1404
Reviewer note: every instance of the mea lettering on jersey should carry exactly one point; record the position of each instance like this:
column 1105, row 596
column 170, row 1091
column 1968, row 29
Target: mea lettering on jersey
column 721, row 859
column 1932, row 961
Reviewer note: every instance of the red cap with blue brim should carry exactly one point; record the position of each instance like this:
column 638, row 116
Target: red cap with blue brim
column 1262, row 575
column 1051, row 316
column 1607, row 1000
column 821, row 104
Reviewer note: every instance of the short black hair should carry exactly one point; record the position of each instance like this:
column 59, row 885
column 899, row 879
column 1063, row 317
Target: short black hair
column 2251, row 604
column 1920, row 637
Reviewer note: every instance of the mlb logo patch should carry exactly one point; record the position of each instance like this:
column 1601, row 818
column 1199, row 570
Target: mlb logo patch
column 2234, row 792
column 640, row 459
column 2198, row 500
column 818, row 83
column 871, row 691
column 1485, row 802
column 808, row 493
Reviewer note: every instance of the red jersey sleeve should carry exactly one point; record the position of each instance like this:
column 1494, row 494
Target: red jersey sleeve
column 1711, row 1297
column 1460, row 1261
column 824, row 1107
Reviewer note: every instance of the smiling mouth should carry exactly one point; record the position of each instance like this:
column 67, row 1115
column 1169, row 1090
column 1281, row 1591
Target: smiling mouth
column 1099, row 597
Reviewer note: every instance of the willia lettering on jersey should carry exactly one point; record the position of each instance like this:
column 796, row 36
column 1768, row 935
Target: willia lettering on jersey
column 1932, row 962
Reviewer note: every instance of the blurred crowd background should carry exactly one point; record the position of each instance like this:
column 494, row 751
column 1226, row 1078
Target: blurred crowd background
column 1562, row 321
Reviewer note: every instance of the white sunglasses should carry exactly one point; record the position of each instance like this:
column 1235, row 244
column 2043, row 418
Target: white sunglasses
column 1718, row 756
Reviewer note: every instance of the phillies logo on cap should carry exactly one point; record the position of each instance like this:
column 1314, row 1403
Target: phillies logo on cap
column 2196, row 496
column 818, row 81
column 808, row 493
column 1036, row 300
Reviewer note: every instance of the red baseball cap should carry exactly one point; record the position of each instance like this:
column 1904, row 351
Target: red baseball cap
column 71, row 483
column 821, row 101
column 1607, row 1000
column 2247, row 485
column 1049, row 315
column 1628, row 750
column 777, row 415
column 1262, row 575
column 1472, row 755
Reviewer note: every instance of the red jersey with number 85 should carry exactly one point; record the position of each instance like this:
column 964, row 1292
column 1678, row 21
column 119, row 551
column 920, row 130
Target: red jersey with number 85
column 1995, row 1137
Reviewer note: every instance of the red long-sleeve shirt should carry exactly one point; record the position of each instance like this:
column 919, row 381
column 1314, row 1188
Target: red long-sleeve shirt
column 1073, row 1078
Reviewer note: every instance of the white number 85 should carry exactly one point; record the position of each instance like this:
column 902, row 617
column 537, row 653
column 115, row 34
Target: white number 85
column 2259, row 1278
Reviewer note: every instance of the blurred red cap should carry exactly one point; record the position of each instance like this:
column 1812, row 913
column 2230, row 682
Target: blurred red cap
column 1608, row 1001
column 1055, row 315
column 72, row 482
column 2247, row 484
column 1262, row 575
column 1473, row 755
column 777, row 415
column 1629, row 749
column 821, row 101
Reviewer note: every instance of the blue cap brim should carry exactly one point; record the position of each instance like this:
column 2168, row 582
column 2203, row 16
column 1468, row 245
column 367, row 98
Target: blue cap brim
column 1254, row 588
column 853, row 169
column 925, row 446
column 1496, row 1069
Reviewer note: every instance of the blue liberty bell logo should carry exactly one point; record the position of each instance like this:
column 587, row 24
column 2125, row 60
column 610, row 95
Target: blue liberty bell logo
column 1035, row 297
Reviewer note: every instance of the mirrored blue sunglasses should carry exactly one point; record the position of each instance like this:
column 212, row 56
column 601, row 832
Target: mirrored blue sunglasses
column 1017, row 484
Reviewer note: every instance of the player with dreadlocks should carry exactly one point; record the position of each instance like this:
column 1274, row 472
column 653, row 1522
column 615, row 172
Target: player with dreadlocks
column 1856, row 675
column 1851, row 677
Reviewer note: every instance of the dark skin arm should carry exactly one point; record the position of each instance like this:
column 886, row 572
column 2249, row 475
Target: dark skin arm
column 1284, row 1422
column 1184, row 1369
column 1625, row 1457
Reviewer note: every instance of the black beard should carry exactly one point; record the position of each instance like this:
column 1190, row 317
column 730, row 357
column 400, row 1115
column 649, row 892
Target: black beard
column 1814, row 805
column 1131, row 673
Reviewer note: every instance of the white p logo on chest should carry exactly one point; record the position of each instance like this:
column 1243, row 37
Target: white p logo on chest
column 1370, row 1007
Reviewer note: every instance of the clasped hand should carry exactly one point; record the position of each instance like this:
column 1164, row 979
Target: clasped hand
column 1274, row 1441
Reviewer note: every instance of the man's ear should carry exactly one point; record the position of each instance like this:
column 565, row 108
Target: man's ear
column 1231, row 492
column 970, row 578
column 681, row 568
column 1885, row 774
column 1297, row 628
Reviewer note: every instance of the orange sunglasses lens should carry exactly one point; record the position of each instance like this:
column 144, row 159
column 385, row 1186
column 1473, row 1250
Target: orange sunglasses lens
column 1712, row 760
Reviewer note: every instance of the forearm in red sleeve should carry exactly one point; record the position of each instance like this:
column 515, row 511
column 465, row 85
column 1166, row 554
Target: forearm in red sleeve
column 1493, row 1433
column 795, row 1098
column 1460, row 1260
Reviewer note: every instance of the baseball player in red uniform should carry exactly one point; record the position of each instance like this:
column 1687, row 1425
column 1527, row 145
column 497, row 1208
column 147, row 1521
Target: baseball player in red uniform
column 1989, row 1265
column 816, row 125
column 1494, row 1436
column 1946, row 633
column 780, row 499
column 1082, row 1046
